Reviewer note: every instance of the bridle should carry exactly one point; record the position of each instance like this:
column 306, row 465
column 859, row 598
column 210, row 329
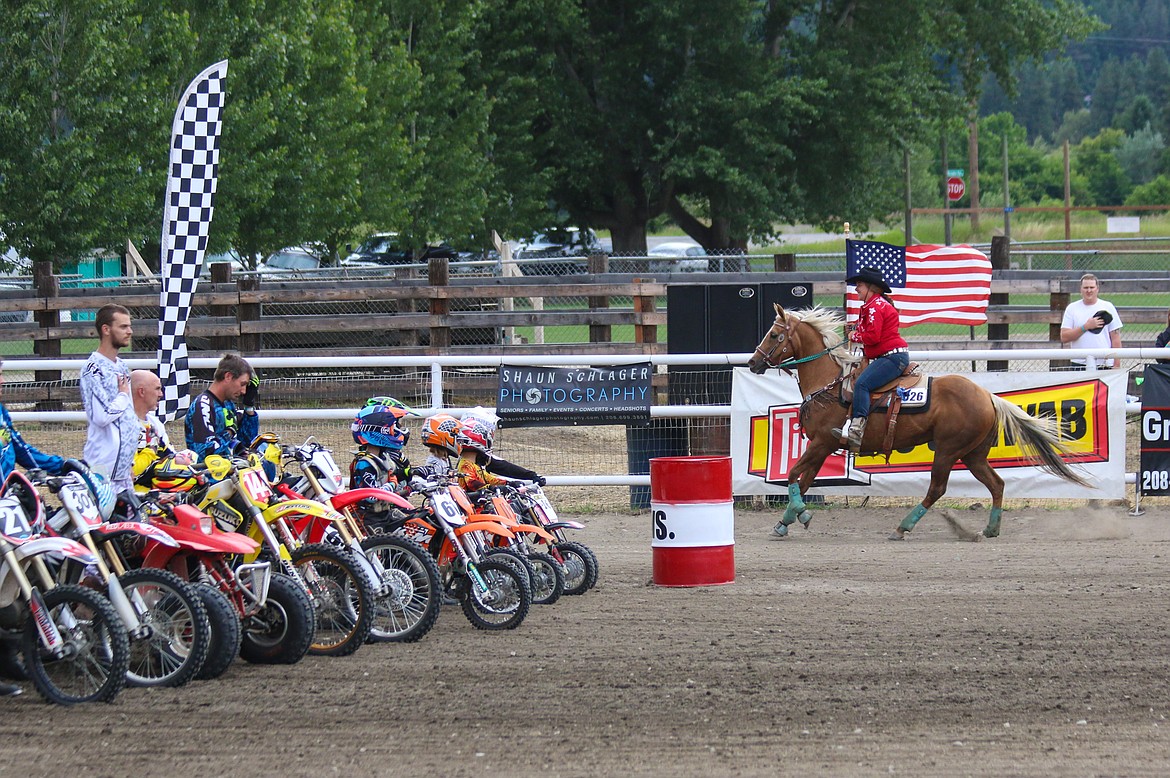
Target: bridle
column 782, row 342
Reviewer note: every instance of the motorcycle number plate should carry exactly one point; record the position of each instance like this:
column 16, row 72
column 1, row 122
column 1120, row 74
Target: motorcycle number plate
column 76, row 498
column 13, row 523
column 256, row 485
column 446, row 507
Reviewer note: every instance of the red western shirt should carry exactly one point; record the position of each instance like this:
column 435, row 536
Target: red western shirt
column 877, row 328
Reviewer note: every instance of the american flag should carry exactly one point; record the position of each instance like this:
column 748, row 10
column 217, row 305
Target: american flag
column 941, row 284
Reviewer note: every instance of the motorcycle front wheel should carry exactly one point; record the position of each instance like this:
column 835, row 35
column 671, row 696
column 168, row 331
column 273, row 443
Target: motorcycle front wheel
column 96, row 653
column 225, row 631
column 281, row 632
column 410, row 609
column 505, row 602
column 343, row 598
column 580, row 566
column 548, row 579
column 179, row 631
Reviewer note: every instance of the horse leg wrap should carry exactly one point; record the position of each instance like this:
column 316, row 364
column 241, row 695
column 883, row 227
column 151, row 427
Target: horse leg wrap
column 912, row 518
column 795, row 501
column 992, row 529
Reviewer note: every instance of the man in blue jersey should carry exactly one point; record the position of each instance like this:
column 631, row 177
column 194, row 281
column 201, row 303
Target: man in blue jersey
column 214, row 423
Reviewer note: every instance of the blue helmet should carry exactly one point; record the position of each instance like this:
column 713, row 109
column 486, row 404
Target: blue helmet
column 377, row 425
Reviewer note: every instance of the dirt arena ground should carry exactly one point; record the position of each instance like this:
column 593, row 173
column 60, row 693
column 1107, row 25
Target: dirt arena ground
column 835, row 652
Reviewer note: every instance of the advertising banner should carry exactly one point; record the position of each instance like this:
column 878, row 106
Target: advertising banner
column 1154, row 476
column 574, row 395
column 766, row 440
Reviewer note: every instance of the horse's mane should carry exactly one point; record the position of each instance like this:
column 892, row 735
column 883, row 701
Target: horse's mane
column 828, row 323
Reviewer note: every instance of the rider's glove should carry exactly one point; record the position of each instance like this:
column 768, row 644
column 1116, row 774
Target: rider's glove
column 539, row 480
column 251, row 393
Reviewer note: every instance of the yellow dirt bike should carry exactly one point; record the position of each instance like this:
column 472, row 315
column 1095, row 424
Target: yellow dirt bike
column 239, row 497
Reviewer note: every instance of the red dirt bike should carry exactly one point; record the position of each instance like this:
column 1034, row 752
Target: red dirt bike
column 577, row 559
column 259, row 616
column 69, row 639
column 493, row 594
column 163, row 614
column 410, row 577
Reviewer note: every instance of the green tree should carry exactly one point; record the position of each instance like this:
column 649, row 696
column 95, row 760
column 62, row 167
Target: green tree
column 84, row 123
column 1100, row 178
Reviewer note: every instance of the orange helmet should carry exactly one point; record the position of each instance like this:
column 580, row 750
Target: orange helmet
column 440, row 430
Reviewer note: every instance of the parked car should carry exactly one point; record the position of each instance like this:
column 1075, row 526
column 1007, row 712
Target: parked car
column 564, row 247
column 384, row 250
column 291, row 260
column 228, row 256
column 678, row 257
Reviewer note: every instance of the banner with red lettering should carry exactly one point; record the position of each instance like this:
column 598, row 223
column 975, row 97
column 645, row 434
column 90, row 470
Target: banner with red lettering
column 766, row 440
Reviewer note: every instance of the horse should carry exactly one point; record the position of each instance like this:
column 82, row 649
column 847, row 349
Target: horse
column 963, row 419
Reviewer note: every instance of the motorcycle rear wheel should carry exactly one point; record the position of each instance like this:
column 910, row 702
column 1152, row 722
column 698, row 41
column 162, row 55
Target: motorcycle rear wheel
column 409, row 611
column 93, row 668
column 225, row 632
column 506, row 602
column 180, row 632
column 516, row 561
column 282, row 631
column 580, row 567
column 343, row 598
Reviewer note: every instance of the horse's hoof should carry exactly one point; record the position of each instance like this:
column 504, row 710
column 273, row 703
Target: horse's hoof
column 780, row 530
column 897, row 535
column 805, row 519
column 989, row 533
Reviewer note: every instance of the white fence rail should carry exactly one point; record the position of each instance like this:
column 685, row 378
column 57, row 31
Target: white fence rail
column 18, row 367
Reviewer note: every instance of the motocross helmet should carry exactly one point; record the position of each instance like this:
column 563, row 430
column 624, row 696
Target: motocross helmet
column 170, row 476
column 19, row 501
column 476, row 435
column 390, row 402
column 377, row 425
column 440, row 430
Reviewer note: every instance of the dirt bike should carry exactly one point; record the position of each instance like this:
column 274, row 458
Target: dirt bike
column 547, row 574
column 239, row 497
column 492, row 593
column 410, row 606
column 577, row 559
column 259, row 616
column 71, row 642
column 167, row 623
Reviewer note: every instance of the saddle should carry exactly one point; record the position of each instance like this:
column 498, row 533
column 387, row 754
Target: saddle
column 885, row 398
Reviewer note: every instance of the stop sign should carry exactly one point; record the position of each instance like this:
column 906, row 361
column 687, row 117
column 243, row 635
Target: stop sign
column 955, row 188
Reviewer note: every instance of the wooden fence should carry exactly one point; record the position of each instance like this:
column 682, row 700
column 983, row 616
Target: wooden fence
column 415, row 316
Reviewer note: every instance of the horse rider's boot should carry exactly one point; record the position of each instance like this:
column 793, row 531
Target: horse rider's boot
column 992, row 528
column 856, row 430
column 909, row 522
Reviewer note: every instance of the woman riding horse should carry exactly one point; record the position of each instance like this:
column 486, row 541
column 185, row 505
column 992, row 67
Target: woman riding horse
column 886, row 350
column 962, row 423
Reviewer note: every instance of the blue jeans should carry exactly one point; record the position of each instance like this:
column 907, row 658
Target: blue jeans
column 880, row 371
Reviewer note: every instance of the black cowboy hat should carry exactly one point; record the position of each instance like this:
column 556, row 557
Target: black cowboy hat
column 871, row 276
column 1105, row 317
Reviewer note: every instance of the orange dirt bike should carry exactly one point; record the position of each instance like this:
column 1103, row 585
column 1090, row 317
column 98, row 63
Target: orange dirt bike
column 262, row 617
column 68, row 640
column 494, row 596
column 578, row 560
column 239, row 497
column 166, row 620
column 546, row 573
column 413, row 596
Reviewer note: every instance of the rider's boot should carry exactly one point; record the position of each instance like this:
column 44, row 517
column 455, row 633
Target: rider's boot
column 856, row 431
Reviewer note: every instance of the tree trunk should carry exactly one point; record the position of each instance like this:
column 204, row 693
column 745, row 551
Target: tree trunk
column 973, row 173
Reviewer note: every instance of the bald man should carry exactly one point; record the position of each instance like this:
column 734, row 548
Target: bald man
column 146, row 393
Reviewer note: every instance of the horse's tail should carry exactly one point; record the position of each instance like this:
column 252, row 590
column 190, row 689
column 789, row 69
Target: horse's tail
column 1038, row 439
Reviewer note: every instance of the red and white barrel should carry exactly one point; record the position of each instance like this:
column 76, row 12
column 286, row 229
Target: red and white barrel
column 693, row 521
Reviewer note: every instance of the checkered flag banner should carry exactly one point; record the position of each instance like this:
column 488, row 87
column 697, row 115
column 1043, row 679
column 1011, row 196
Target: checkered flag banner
column 191, row 181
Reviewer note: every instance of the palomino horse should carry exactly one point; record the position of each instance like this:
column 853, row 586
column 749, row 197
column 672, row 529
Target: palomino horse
column 963, row 419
